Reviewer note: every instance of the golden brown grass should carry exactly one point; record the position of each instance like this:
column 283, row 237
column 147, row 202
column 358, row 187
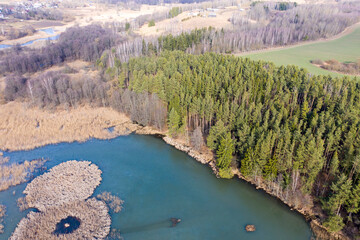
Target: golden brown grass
column 67, row 182
column 2, row 84
column 2, row 214
column 93, row 215
column 62, row 193
column 176, row 24
column 114, row 202
column 23, row 128
column 16, row 173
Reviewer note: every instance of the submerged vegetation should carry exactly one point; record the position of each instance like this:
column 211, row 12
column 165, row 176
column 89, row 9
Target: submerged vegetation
column 114, row 202
column 17, row 173
column 2, row 214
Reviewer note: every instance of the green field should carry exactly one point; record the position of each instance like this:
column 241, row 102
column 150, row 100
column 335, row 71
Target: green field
column 346, row 48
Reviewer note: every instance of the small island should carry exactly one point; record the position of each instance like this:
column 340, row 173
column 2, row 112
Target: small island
column 65, row 209
column 250, row 228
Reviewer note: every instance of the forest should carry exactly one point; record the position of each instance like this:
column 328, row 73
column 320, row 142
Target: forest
column 296, row 131
column 86, row 43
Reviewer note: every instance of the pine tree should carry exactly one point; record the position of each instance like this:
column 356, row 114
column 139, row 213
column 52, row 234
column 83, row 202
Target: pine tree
column 334, row 165
column 173, row 122
column 225, row 151
column 215, row 135
column 353, row 202
column 270, row 169
column 334, row 223
column 341, row 190
column 247, row 163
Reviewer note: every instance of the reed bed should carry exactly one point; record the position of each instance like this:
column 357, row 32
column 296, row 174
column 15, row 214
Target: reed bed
column 67, row 182
column 23, row 128
column 17, row 173
column 2, row 214
column 93, row 215
column 114, row 202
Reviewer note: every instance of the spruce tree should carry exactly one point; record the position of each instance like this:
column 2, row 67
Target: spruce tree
column 225, row 151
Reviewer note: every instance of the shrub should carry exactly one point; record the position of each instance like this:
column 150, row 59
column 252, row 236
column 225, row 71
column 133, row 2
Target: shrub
column 151, row 23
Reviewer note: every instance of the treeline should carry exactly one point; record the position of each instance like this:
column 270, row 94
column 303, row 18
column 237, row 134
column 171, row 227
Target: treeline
column 298, row 24
column 280, row 6
column 296, row 132
column 152, row 2
column 149, row 46
column 39, row 14
column 276, row 25
column 86, row 43
column 51, row 89
column 301, row 23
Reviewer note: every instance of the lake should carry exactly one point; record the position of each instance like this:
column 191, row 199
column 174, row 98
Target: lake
column 158, row 182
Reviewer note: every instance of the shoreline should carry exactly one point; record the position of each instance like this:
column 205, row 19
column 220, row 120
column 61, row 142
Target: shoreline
column 318, row 230
column 122, row 127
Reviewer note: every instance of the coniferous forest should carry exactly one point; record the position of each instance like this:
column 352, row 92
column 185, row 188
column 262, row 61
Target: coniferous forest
column 299, row 133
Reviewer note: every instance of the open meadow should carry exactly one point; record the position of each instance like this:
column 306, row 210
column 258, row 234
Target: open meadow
column 190, row 20
column 343, row 49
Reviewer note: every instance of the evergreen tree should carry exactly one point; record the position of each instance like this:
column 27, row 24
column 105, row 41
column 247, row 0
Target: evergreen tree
column 334, row 165
column 340, row 194
column 270, row 170
column 173, row 122
column 334, row 223
column 353, row 201
column 247, row 163
column 215, row 135
column 225, row 151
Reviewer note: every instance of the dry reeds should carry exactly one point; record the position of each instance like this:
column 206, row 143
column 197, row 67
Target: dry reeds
column 62, row 193
column 93, row 215
column 23, row 128
column 114, row 202
column 16, row 173
column 2, row 214
column 67, row 182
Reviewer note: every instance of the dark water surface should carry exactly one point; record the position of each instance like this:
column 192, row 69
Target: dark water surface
column 67, row 225
column 158, row 182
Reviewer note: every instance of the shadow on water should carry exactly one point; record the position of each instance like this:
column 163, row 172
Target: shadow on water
column 148, row 227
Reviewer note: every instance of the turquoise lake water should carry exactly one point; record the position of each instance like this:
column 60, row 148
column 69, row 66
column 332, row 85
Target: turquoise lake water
column 158, row 182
